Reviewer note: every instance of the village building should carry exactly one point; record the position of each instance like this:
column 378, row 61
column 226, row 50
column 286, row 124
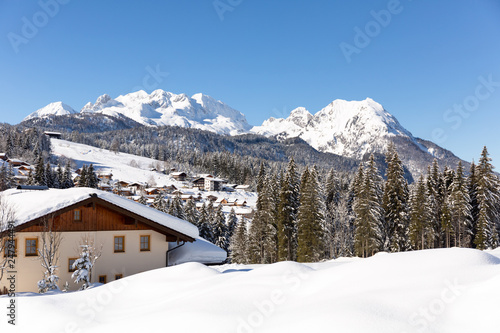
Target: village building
column 242, row 188
column 213, row 184
column 179, row 176
column 105, row 176
column 134, row 238
column 152, row 191
column 53, row 135
column 199, row 183
column 17, row 163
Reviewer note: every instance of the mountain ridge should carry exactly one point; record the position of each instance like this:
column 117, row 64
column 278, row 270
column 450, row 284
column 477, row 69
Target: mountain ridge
column 351, row 129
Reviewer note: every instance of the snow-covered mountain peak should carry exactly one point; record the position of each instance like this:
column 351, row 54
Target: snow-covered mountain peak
column 103, row 101
column 348, row 128
column 162, row 108
column 55, row 108
column 300, row 117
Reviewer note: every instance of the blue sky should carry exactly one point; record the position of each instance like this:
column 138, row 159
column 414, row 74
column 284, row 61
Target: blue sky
column 433, row 65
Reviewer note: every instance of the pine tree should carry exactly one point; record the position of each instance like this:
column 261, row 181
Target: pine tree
column 395, row 203
column 472, row 189
column 310, row 219
column 204, row 225
column 421, row 231
column 231, row 222
column 92, row 180
column 488, row 196
column 142, row 200
column 238, row 244
column 49, row 176
column 287, row 213
column 59, row 179
column 461, row 209
column 159, row 203
column 436, row 198
column 190, row 212
column 220, row 229
column 83, row 177
column 39, row 177
column 67, row 179
column 176, row 209
column 262, row 233
column 368, row 210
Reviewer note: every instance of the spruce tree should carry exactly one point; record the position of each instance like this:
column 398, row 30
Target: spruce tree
column 59, row 179
column 142, row 200
column 395, row 204
column 176, row 209
column 368, row 210
column 220, row 229
column 49, row 176
column 461, row 209
column 204, row 225
column 488, row 196
column 262, row 233
column 287, row 213
column 231, row 222
column 159, row 203
column 239, row 244
column 472, row 189
column 68, row 181
column 421, row 231
column 39, row 176
column 83, row 177
column 436, row 198
column 310, row 219
column 92, row 180
column 190, row 212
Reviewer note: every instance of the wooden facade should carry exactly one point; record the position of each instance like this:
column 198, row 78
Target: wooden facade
column 95, row 214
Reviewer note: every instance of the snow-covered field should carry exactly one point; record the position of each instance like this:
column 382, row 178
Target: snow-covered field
column 443, row 290
column 132, row 168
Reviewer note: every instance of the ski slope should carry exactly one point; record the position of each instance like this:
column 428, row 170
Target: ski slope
column 132, row 168
column 442, row 290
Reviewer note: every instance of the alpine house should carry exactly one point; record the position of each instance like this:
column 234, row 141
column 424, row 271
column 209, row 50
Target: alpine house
column 131, row 237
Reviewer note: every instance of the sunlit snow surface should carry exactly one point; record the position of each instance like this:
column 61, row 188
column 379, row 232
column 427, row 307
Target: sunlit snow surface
column 444, row 290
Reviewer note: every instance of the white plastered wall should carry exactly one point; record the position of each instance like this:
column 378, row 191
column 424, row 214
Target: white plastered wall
column 132, row 261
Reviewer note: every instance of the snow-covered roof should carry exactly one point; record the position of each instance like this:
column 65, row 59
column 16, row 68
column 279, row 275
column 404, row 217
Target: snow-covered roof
column 200, row 251
column 214, row 179
column 30, row 205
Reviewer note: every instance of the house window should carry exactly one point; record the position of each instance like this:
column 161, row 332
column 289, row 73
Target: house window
column 145, row 243
column 118, row 276
column 31, row 246
column 10, row 248
column 77, row 215
column 103, row 279
column 119, row 244
column 71, row 261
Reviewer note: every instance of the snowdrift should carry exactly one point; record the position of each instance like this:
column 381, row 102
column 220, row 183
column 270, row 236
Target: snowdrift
column 443, row 290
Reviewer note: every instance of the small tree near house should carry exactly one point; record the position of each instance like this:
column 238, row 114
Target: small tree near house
column 48, row 254
column 83, row 266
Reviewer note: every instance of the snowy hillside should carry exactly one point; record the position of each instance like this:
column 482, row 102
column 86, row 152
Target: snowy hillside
column 442, row 290
column 347, row 128
column 130, row 168
column 56, row 108
column 164, row 108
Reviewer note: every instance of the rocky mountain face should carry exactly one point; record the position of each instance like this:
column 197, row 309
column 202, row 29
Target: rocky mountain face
column 160, row 108
column 356, row 129
column 352, row 129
